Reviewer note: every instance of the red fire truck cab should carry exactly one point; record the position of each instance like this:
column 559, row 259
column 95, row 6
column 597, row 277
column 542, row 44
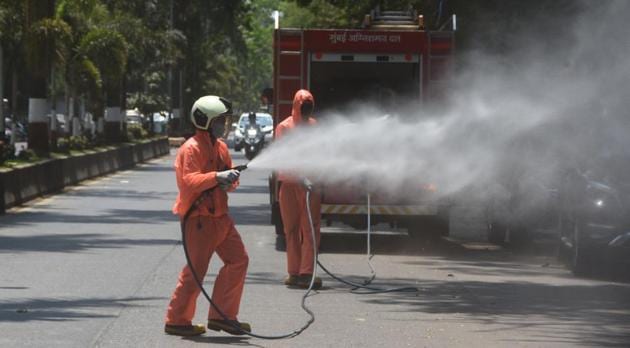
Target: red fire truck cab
column 392, row 55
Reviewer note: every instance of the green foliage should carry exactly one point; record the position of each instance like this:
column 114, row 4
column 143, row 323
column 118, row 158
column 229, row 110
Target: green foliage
column 78, row 142
column 63, row 145
column 152, row 99
column 75, row 142
column 316, row 14
column 108, row 50
column 46, row 40
column 11, row 26
column 136, row 132
column 7, row 152
column 27, row 155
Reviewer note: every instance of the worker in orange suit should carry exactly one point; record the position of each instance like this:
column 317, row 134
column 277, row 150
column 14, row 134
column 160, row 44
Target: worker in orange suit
column 204, row 177
column 292, row 197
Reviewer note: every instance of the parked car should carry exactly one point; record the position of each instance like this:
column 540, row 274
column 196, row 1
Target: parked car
column 160, row 120
column 264, row 120
column 133, row 117
column 594, row 206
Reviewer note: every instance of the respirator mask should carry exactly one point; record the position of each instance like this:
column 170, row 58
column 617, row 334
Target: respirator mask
column 306, row 110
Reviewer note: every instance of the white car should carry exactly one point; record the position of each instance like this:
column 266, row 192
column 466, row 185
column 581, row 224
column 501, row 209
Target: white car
column 263, row 119
column 133, row 116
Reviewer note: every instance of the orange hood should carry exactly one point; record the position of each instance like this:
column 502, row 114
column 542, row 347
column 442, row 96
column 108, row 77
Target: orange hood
column 300, row 97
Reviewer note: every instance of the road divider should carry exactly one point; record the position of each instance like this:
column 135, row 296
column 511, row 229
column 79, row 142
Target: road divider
column 20, row 185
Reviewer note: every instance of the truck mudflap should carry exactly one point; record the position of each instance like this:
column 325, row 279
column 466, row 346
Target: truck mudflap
column 397, row 210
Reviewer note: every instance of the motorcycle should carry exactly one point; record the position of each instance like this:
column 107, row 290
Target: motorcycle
column 254, row 141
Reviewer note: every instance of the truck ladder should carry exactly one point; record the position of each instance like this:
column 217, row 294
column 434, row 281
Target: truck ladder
column 393, row 20
column 285, row 78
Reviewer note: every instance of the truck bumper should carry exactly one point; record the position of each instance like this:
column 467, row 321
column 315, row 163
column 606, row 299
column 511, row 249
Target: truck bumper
column 375, row 210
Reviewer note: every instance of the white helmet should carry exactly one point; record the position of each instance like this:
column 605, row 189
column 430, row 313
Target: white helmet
column 207, row 108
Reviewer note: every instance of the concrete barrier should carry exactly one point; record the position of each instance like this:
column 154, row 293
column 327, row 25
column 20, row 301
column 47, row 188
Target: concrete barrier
column 23, row 184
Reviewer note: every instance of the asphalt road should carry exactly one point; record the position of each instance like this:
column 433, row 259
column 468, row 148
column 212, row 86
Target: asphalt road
column 95, row 266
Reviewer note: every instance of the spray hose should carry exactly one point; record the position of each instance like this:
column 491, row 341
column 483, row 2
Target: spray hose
column 356, row 286
column 216, row 307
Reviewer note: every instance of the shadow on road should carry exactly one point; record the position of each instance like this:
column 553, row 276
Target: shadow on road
column 250, row 214
column 589, row 314
column 155, row 167
column 73, row 242
column 389, row 244
column 231, row 340
column 257, row 189
column 52, row 309
column 109, row 216
column 123, row 194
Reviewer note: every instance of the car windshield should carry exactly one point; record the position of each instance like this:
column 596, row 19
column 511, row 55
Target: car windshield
column 262, row 119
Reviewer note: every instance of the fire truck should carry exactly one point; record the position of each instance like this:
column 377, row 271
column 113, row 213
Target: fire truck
column 393, row 53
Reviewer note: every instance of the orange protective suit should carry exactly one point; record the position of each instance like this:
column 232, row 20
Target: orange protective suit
column 292, row 199
column 208, row 229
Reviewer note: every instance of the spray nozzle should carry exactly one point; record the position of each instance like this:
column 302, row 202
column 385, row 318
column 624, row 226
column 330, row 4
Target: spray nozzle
column 307, row 184
column 240, row 168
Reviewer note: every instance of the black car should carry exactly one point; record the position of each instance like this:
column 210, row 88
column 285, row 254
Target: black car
column 521, row 201
column 594, row 216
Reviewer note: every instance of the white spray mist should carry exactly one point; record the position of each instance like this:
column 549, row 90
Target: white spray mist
column 541, row 112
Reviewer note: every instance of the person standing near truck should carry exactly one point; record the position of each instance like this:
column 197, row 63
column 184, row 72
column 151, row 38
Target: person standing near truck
column 292, row 199
column 204, row 176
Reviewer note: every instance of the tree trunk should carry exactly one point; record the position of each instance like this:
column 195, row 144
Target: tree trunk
column 113, row 125
column 38, row 139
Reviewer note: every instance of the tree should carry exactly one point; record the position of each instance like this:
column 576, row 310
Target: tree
column 214, row 50
column 45, row 38
column 81, row 75
column 11, row 33
column 99, row 55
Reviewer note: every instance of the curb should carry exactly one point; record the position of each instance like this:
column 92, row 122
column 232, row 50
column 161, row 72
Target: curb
column 20, row 185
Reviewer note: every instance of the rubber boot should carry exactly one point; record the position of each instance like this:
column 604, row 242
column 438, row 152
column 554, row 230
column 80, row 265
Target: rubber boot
column 184, row 330
column 229, row 326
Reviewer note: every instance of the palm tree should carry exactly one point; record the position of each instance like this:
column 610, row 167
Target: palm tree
column 46, row 37
column 97, row 60
column 108, row 50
